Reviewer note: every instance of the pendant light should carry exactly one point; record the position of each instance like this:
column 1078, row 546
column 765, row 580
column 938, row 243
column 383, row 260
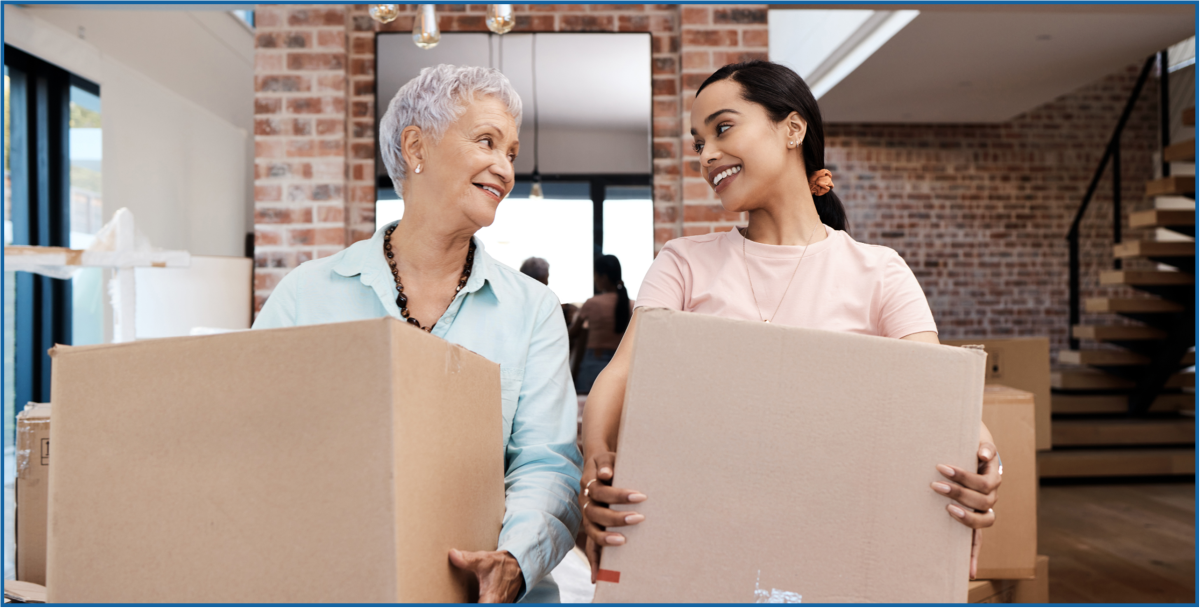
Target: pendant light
column 384, row 13
column 426, row 34
column 500, row 18
column 535, row 192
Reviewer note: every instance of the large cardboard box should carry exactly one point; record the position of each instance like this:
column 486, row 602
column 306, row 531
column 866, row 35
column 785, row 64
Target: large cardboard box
column 329, row 463
column 1022, row 363
column 1010, row 546
column 786, row 464
column 33, row 479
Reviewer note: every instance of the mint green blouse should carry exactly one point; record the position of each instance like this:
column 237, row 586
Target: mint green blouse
column 508, row 318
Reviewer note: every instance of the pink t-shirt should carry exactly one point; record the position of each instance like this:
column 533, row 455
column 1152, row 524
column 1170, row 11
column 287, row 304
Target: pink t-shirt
column 841, row 285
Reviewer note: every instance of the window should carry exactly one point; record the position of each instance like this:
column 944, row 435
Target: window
column 52, row 198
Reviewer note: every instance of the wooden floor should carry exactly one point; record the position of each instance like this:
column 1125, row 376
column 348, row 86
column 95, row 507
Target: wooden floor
column 1119, row 543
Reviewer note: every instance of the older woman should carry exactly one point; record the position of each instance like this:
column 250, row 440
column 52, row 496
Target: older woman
column 449, row 139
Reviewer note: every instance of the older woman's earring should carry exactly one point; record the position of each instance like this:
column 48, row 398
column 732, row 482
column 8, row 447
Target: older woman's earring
column 417, row 170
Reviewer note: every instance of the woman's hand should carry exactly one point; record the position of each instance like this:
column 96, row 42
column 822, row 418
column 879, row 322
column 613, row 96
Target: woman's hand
column 498, row 572
column 595, row 496
column 974, row 492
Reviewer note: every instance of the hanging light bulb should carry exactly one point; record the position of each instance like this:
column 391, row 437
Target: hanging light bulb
column 535, row 192
column 500, row 18
column 425, row 27
column 384, row 13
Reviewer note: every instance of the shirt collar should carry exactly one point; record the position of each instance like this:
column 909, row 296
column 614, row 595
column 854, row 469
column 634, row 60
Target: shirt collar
column 366, row 260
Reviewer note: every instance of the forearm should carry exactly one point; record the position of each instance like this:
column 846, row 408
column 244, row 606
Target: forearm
column 602, row 414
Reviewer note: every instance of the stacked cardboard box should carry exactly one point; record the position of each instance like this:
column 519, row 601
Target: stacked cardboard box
column 33, row 480
column 1009, row 548
column 330, row 463
column 786, row 464
column 1024, row 364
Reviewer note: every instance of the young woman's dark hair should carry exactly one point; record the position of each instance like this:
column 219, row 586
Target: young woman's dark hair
column 781, row 91
column 609, row 266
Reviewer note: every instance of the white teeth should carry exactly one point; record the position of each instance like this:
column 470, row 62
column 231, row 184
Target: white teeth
column 492, row 190
column 726, row 173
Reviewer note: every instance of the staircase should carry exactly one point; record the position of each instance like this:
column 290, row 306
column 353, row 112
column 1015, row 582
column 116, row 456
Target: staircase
column 1123, row 395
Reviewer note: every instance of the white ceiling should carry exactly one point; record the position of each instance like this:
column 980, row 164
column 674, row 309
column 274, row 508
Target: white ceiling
column 205, row 56
column 989, row 63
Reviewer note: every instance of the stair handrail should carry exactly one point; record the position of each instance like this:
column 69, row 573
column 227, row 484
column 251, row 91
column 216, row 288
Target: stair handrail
column 1112, row 152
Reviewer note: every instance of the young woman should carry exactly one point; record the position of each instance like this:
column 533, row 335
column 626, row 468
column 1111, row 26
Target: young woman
column 761, row 143
column 607, row 315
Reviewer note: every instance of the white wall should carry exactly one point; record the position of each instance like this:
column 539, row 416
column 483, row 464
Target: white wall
column 180, row 161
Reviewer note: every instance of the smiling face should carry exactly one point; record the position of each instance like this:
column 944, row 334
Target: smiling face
column 470, row 168
column 744, row 155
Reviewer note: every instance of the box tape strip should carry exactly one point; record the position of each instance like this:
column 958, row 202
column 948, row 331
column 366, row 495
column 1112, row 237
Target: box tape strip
column 608, row 576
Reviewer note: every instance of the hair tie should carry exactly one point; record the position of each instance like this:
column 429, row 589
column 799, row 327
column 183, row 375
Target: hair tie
column 821, row 182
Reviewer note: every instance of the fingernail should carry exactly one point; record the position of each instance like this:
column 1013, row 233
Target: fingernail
column 635, row 518
column 945, row 470
column 615, row 539
column 956, row 511
column 986, row 453
column 606, row 471
column 635, row 497
column 941, row 487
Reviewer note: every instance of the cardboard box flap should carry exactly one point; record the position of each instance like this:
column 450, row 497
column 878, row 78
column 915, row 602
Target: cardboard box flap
column 781, row 460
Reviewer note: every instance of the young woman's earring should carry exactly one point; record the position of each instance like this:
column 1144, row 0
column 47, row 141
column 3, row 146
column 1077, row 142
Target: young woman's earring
column 418, row 169
column 791, row 144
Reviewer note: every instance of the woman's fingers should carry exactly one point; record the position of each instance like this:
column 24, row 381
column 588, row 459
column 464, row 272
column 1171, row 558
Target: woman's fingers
column 976, row 544
column 609, row 518
column 605, row 464
column 985, row 483
column 970, row 518
column 599, row 535
column 593, row 556
column 598, row 492
column 968, row 498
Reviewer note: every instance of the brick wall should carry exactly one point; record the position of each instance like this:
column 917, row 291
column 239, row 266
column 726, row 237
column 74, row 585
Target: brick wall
column 980, row 212
column 311, row 183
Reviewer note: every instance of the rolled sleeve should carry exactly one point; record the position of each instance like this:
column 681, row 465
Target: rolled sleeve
column 543, row 464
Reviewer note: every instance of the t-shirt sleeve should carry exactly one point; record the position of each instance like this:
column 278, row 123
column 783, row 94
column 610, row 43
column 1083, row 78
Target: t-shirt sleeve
column 663, row 285
column 903, row 307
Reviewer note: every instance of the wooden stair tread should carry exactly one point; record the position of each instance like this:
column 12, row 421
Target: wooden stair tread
column 1189, row 117
column 1078, row 433
column 1173, row 184
column 1145, row 278
column 1131, row 305
column 1101, row 357
column 1061, row 403
column 1161, row 218
column 1133, row 249
column 1117, row 462
column 1115, row 333
column 1180, row 151
column 1082, row 379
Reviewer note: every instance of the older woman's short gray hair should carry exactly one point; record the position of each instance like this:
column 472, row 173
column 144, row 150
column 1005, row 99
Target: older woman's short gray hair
column 433, row 100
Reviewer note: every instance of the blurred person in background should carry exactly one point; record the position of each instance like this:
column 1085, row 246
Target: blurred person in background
column 539, row 270
column 601, row 323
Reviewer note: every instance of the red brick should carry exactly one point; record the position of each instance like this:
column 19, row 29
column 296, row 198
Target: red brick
column 696, row 230
column 662, row 235
column 283, row 83
column 267, row 105
column 363, row 87
column 267, row 62
column 664, row 43
column 330, row 236
column 268, row 148
column 555, row 8
column 316, row 61
column 304, row 105
column 316, row 17
column 723, row 58
column 585, row 23
column 692, row 81
column 403, row 23
column 265, row 17
column 710, row 37
column 334, row 83
column 362, row 151
column 739, row 16
column 361, row 109
column 264, row 194
column 302, row 126
column 755, row 38
column 362, row 67
column 362, row 194
column 362, row 45
column 664, row 86
column 534, row 23
column 696, row 15
column 331, row 147
column 633, row 23
column 664, row 65
column 266, row 238
column 666, row 214
column 598, row 8
column 266, row 281
column 331, row 126
column 300, row 237
column 695, row 191
column 300, row 148
column 666, row 149
column 697, row 60
column 330, row 213
column 327, row 39
column 469, row 23
column 667, row 127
